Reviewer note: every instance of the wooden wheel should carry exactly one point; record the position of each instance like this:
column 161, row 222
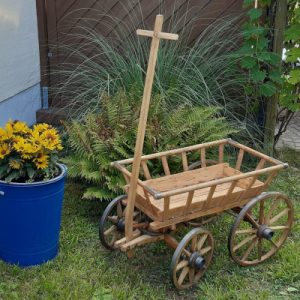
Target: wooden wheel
column 112, row 222
column 260, row 229
column 191, row 258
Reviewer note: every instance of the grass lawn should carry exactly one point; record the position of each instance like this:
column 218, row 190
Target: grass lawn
column 84, row 270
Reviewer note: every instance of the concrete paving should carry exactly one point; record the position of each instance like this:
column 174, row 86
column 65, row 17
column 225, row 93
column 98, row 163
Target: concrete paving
column 291, row 138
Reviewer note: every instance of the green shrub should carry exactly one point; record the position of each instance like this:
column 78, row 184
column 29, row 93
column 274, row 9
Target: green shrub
column 110, row 135
column 202, row 73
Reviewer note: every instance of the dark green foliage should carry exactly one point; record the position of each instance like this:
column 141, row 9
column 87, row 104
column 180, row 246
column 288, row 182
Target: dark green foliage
column 110, row 135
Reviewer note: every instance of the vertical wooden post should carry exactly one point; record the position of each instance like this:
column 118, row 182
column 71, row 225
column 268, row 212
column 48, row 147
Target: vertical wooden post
column 156, row 36
column 272, row 103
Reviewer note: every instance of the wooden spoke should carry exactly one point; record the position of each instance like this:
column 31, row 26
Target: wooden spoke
column 250, row 218
column 266, row 205
column 273, row 207
column 191, row 275
column 205, row 250
column 182, row 264
column 259, row 249
column 183, row 274
column 110, row 230
column 273, row 243
column 194, row 243
column 201, row 242
column 250, row 248
column 243, row 231
column 261, row 212
column 113, row 219
column 119, row 210
column 278, row 227
column 244, row 242
column 279, row 216
column 184, row 271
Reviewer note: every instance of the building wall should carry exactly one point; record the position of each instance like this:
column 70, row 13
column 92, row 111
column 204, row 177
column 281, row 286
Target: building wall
column 19, row 61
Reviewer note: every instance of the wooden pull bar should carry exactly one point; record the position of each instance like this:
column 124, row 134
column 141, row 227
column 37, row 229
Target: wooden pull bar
column 145, row 169
column 221, row 153
column 184, row 161
column 189, row 202
column 166, row 207
column 165, row 165
column 239, row 159
column 203, row 158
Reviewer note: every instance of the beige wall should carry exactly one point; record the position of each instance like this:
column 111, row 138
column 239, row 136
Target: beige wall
column 19, row 49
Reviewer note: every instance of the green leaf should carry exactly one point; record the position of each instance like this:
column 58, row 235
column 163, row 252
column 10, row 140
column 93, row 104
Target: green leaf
column 258, row 75
column 267, row 89
column 275, row 76
column 248, row 62
column 30, row 172
column 13, row 175
column 262, row 43
column 3, row 170
column 252, row 31
column 293, row 33
column 293, row 55
column 294, row 76
column 247, row 3
column 247, row 48
column 254, row 13
column 265, row 2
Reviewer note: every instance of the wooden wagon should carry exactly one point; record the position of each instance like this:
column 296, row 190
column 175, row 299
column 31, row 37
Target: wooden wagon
column 154, row 207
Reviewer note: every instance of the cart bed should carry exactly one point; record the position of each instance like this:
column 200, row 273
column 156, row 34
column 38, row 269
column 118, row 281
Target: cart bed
column 178, row 203
column 174, row 198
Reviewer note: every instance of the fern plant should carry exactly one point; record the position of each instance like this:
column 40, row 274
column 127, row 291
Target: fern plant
column 110, row 135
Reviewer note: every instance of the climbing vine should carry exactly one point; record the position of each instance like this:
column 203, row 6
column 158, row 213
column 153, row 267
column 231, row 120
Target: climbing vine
column 289, row 98
column 266, row 77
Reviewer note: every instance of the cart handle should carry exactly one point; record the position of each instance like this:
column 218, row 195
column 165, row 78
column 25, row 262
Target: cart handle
column 199, row 186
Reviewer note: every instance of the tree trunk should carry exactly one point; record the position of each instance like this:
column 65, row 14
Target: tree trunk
column 272, row 103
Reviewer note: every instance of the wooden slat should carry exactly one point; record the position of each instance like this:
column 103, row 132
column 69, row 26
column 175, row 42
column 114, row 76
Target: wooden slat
column 184, row 161
column 165, row 165
column 239, row 159
column 175, row 151
column 166, row 208
column 203, row 158
column 188, row 202
column 221, row 153
column 146, row 170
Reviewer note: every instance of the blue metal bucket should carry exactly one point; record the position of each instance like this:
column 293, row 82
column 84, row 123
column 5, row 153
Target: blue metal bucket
column 30, row 216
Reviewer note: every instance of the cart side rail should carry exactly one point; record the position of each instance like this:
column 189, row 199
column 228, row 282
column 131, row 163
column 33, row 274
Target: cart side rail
column 213, row 183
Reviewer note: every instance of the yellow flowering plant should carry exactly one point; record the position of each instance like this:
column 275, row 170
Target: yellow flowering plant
column 28, row 154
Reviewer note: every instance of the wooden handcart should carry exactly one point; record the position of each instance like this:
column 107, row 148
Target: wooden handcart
column 154, row 207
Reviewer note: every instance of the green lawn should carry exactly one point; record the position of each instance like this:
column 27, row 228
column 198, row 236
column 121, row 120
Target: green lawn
column 84, row 270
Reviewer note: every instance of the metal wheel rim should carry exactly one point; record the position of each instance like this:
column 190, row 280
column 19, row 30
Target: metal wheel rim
column 177, row 260
column 258, row 241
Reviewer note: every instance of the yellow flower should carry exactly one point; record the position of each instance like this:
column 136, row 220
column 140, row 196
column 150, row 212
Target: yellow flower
column 50, row 139
column 41, row 161
column 20, row 144
column 26, row 156
column 4, row 150
column 5, row 134
column 40, row 127
column 20, row 127
column 15, row 164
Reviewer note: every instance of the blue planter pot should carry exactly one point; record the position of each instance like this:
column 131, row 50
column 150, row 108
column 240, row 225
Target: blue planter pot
column 30, row 216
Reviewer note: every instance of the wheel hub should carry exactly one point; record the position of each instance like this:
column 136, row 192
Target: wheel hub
column 265, row 232
column 121, row 225
column 197, row 261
